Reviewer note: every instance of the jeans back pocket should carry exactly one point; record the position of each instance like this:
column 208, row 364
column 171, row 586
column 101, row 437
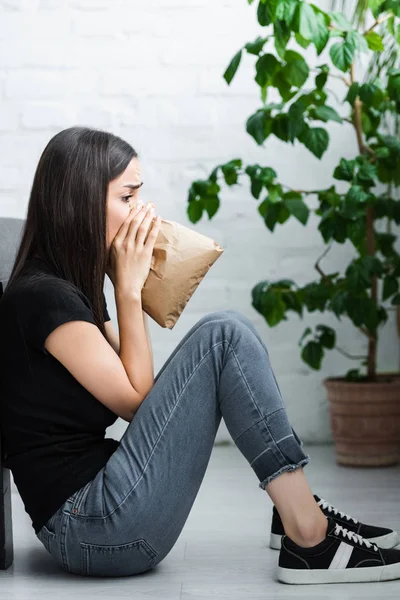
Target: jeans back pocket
column 117, row 560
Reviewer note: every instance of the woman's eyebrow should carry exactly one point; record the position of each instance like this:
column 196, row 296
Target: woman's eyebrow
column 132, row 186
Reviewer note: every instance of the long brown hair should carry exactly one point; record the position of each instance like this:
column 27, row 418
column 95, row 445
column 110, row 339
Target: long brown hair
column 66, row 218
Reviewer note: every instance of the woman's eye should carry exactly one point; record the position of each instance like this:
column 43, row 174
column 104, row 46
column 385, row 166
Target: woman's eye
column 126, row 198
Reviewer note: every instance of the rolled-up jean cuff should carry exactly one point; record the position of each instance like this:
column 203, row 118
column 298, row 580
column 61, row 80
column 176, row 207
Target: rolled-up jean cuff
column 289, row 467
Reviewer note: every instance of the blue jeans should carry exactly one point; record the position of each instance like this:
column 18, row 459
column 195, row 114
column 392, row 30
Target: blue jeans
column 127, row 519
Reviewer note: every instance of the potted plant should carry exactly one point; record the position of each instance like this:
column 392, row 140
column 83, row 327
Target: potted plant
column 364, row 404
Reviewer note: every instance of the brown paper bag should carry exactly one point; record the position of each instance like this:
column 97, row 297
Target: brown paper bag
column 181, row 258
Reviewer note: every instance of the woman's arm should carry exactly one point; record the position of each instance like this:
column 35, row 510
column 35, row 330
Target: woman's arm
column 113, row 337
column 135, row 356
column 146, row 325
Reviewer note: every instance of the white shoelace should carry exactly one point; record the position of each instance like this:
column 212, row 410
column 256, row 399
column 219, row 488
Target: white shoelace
column 325, row 504
column 355, row 537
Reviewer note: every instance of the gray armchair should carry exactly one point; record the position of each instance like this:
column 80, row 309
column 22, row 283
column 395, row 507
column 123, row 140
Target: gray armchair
column 10, row 232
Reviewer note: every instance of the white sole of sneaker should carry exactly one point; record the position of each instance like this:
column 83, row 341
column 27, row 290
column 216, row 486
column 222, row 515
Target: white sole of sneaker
column 275, row 541
column 357, row 575
column 391, row 540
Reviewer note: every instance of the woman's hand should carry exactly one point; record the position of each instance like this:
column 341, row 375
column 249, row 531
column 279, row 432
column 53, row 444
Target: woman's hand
column 132, row 249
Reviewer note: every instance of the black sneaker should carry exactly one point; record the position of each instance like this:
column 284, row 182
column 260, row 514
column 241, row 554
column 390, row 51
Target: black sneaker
column 381, row 536
column 342, row 557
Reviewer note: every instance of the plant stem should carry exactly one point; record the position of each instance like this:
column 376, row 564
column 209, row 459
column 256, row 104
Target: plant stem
column 363, row 149
column 378, row 22
column 349, row 355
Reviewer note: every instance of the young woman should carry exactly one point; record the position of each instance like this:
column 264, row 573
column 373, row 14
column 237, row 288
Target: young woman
column 103, row 507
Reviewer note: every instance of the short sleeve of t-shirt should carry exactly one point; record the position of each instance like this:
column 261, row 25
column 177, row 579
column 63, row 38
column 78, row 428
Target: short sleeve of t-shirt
column 43, row 306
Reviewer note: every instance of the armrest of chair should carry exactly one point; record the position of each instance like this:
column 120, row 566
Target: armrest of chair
column 6, row 532
column 6, row 537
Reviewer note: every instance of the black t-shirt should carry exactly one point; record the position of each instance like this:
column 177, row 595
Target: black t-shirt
column 53, row 429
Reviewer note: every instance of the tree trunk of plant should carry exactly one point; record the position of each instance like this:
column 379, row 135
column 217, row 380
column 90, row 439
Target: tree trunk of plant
column 372, row 340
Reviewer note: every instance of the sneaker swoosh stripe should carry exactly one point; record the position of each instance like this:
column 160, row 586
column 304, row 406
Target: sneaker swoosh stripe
column 342, row 556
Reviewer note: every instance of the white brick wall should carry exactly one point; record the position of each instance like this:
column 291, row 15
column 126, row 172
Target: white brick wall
column 151, row 71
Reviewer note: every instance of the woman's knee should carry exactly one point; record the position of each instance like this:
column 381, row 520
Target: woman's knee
column 237, row 316
column 223, row 314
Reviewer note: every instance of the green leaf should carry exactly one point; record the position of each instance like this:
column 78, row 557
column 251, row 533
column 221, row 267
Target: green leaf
column 282, row 37
column 230, row 171
column 353, row 93
column 274, row 193
column 394, row 86
column 362, row 311
column 259, row 126
column 296, row 69
column 312, row 354
column 371, row 93
column 390, row 287
column 356, row 195
column 302, row 41
column 232, row 67
column 396, row 300
column 358, row 277
column 316, row 140
column 256, row 46
column 326, row 113
column 345, row 170
column 279, row 81
column 339, row 302
column 357, row 40
column 374, row 41
column 256, row 187
column 195, row 210
column 296, row 206
column 273, row 308
column 342, row 55
column 340, row 21
column 201, row 187
column 285, row 10
column 307, row 24
column 321, row 34
column 353, row 375
column 327, row 336
column 211, row 205
column 267, row 175
column 280, row 127
column 268, row 302
column 366, row 173
column 275, row 213
column 386, row 243
column 266, row 67
column 321, row 80
column 297, row 109
column 266, row 12
column 391, row 5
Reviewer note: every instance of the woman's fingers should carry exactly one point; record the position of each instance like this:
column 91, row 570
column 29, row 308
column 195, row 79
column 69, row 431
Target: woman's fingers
column 143, row 228
column 123, row 230
column 151, row 238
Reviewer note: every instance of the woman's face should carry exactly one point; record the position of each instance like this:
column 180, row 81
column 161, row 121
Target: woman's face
column 121, row 197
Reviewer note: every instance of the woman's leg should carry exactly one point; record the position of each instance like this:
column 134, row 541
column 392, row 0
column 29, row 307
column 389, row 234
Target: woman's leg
column 148, row 486
column 215, row 316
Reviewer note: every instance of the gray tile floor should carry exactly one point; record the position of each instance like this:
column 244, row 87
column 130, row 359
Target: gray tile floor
column 223, row 549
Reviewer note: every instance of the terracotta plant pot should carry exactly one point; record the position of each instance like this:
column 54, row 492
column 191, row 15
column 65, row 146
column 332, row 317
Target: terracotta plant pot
column 365, row 420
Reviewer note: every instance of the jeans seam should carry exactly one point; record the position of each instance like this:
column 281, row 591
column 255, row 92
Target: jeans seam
column 259, row 421
column 250, row 392
column 166, row 423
